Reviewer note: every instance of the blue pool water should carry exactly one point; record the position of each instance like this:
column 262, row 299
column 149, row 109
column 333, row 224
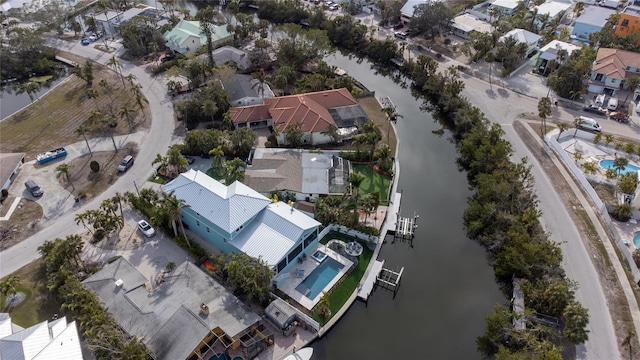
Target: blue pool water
column 313, row 284
column 608, row 164
column 636, row 239
column 218, row 357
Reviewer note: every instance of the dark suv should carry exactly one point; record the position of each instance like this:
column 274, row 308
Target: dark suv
column 33, row 188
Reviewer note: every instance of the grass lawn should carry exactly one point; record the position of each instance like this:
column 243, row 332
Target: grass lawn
column 373, row 182
column 39, row 304
column 344, row 289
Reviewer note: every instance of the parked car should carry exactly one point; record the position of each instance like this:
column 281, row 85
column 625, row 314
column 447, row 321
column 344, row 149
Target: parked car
column 398, row 26
column 592, row 108
column 600, row 100
column 146, row 229
column 33, row 188
column 589, row 124
column 167, row 57
column 85, row 41
column 400, row 35
column 612, row 104
column 333, row 7
column 126, row 163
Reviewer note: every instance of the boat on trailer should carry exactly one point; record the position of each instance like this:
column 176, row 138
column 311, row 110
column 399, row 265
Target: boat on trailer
column 302, row 354
column 51, row 155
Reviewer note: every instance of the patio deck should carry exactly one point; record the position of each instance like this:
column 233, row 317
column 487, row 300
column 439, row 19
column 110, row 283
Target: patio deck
column 365, row 288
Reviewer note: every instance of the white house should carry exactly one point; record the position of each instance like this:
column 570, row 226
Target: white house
column 466, row 24
column 552, row 8
column 524, row 36
column 407, row 10
column 550, row 52
column 55, row 340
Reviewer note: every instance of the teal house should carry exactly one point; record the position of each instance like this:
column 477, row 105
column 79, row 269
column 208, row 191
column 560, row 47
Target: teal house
column 236, row 219
column 186, row 37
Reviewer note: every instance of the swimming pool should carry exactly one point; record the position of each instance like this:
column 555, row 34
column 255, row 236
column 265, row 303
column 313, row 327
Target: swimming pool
column 608, row 164
column 636, row 239
column 218, row 357
column 313, row 284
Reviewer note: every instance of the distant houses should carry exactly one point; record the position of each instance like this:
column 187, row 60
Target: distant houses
column 611, row 68
column 593, row 19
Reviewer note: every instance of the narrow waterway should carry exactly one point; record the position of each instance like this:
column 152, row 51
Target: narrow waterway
column 447, row 288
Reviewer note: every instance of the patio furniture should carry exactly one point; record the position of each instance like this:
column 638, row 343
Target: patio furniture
column 353, row 248
column 299, row 273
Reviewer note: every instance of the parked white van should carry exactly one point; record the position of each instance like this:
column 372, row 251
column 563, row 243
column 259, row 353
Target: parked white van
column 600, row 100
column 589, row 124
column 612, row 104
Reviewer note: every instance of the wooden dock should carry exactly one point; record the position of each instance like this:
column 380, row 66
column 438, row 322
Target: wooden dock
column 392, row 212
column 366, row 288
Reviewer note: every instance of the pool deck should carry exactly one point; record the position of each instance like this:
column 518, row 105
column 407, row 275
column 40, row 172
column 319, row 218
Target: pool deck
column 290, row 282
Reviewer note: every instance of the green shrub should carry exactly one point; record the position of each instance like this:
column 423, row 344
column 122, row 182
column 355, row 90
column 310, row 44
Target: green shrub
column 94, row 166
column 622, row 212
column 5, row 193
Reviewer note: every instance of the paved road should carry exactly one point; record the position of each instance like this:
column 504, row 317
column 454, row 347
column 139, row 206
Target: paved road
column 157, row 140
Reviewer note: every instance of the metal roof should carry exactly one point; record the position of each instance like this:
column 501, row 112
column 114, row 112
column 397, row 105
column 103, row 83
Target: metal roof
column 522, row 36
column 272, row 234
column 228, row 207
column 167, row 317
column 595, row 15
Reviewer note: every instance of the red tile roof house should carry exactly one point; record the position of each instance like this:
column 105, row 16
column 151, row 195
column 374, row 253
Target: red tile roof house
column 315, row 111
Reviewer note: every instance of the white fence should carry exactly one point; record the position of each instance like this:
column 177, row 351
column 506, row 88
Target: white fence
column 349, row 232
column 580, row 177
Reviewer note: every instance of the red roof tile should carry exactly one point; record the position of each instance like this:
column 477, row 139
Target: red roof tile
column 311, row 109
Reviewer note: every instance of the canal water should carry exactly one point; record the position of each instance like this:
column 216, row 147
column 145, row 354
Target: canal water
column 11, row 101
column 447, row 286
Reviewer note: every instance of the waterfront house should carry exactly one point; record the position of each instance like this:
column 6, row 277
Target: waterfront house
column 181, row 314
column 303, row 173
column 593, row 19
column 187, row 38
column 407, row 10
column 48, row 340
column 611, row 68
column 236, row 219
column 315, row 112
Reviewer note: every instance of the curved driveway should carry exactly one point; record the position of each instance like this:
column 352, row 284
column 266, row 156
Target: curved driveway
column 157, row 140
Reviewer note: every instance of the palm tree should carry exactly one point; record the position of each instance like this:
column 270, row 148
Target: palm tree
column 117, row 67
column 562, row 126
column 633, row 83
column 261, row 76
column 573, row 94
column 93, row 94
column 164, row 164
column 130, row 78
column 31, row 88
column 63, row 170
column 9, row 286
column 83, row 218
column 577, row 122
column 234, row 170
column 140, row 100
column 489, row 58
column 172, row 207
column 620, row 163
column 392, row 116
column 544, row 110
column 82, row 130
column 355, row 181
column 125, row 113
column 332, row 132
column 209, row 108
column 217, row 154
